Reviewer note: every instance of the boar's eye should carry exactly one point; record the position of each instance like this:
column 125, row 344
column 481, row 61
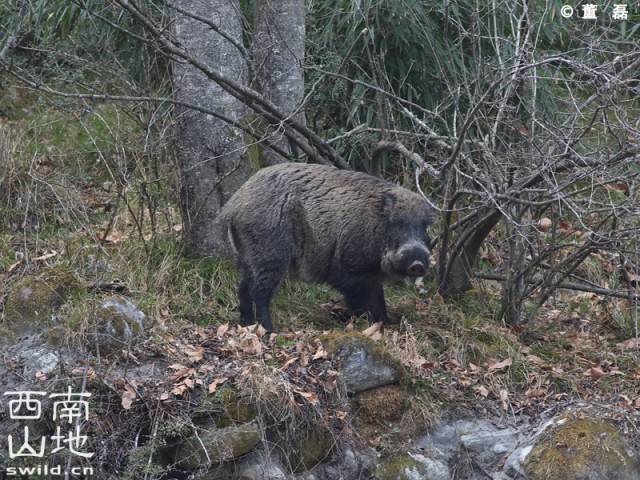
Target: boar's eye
column 428, row 241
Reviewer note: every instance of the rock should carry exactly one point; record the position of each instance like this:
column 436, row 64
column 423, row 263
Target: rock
column 260, row 469
column 32, row 301
column 39, row 360
column 221, row 445
column 311, row 448
column 381, row 404
column 227, row 407
column 307, row 476
column 488, row 443
column 411, row 466
column 117, row 325
column 236, row 409
column 480, row 439
column 257, row 465
column 574, row 448
column 364, row 363
column 346, row 464
column 7, row 336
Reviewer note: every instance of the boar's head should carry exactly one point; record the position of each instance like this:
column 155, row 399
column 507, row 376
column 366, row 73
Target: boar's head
column 406, row 246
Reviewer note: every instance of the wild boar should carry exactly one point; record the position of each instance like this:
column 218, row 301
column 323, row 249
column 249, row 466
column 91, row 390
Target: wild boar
column 348, row 229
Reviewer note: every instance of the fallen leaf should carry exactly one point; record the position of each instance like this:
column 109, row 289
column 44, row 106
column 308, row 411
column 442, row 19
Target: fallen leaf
column 535, row 392
column 46, row 256
column 465, row 382
column 251, row 345
column 631, row 343
column 222, row 329
column 311, row 397
column 595, row 372
column 372, row 330
column 618, row 187
column 195, row 354
column 534, row 359
column 504, row 398
column 261, row 331
column 481, row 390
column 128, row 396
column 565, row 226
column 544, row 224
column 500, row 365
column 179, row 389
column 177, row 366
column 320, row 353
column 13, row 266
column 114, row 237
column 288, row 362
column 214, row 385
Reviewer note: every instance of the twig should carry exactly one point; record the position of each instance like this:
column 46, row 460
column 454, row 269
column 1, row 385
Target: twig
column 568, row 286
column 386, row 146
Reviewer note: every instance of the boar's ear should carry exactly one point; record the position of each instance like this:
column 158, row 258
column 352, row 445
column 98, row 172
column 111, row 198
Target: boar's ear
column 388, row 203
column 431, row 213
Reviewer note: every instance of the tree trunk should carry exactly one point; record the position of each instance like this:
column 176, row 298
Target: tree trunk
column 211, row 154
column 278, row 53
column 461, row 264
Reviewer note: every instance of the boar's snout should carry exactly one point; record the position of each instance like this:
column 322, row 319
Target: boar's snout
column 417, row 269
column 414, row 259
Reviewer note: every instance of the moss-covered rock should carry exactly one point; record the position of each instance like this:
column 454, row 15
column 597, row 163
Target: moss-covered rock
column 56, row 336
column 400, row 467
column 235, row 408
column 147, row 461
column 117, row 324
column 7, row 336
column 226, row 408
column 216, row 445
column 364, row 363
column 574, row 448
column 311, row 448
column 381, row 404
column 32, row 301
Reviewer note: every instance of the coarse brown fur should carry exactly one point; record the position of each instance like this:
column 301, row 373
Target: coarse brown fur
column 345, row 228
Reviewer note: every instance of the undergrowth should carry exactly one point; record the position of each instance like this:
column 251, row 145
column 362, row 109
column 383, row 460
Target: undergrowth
column 83, row 189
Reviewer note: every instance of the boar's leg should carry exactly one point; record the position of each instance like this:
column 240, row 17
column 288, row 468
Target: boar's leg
column 366, row 295
column 266, row 281
column 247, row 315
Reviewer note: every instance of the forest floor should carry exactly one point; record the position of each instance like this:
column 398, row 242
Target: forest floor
column 72, row 198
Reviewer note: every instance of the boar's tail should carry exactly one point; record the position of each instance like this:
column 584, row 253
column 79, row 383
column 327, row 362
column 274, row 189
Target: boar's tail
column 225, row 247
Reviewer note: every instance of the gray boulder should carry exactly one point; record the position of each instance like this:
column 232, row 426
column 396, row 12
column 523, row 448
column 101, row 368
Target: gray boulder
column 117, row 324
column 216, row 445
column 364, row 364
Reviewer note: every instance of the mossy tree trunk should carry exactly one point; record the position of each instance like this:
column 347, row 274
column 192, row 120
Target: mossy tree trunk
column 278, row 54
column 211, row 153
